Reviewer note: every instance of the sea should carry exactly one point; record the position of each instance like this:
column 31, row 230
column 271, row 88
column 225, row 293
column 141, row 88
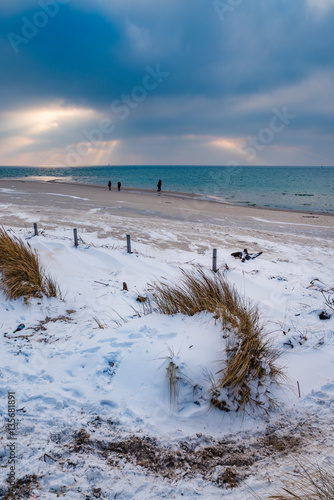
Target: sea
column 295, row 188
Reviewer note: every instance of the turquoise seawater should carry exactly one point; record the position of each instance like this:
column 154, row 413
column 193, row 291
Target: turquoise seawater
column 297, row 188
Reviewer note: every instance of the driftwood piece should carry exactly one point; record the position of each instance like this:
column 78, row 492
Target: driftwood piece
column 244, row 255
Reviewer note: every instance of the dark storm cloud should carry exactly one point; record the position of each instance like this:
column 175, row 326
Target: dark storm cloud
column 93, row 57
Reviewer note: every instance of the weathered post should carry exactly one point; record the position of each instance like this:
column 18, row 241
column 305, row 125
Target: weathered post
column 75, row 234
column 128, row 243
column 35, row 229
column 214, row 260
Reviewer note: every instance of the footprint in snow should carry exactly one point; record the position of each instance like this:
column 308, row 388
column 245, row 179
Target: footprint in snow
column 122, row 344
column 163, row 336
column 112, row 339
column 135, row 336
column 39, row 379
column 63, row 355
column 107, row 402
column 91, row 350
column 147, row 329
column 74, row 392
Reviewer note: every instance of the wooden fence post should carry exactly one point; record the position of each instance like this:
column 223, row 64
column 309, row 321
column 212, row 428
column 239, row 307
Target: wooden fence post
column 75, row 234
column 214, row 260
column 35, row 229
column 128, row 243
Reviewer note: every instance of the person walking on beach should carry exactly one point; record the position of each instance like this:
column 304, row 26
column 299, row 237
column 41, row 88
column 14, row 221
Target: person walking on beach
column 109, row 185
column 119, row 186
column 159, row 185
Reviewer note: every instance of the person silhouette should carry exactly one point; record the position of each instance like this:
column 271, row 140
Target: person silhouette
column 159, row 185
column 109, row 185
column 119, row 186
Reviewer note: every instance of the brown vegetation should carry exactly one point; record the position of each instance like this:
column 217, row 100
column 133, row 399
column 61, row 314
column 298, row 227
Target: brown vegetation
column 250, row 357
column 310, row 483
column 21, row 272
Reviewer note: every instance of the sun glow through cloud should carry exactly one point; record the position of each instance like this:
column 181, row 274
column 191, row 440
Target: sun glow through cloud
column 226, row 144
column 44, row 118
column 25, row 127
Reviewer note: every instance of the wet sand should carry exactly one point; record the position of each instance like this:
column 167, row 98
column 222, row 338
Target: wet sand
column 143, row 211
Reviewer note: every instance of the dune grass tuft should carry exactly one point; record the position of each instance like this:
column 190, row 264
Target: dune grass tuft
column 311, row 483
column 100, row 324
column 250, row 357
column 21, row 274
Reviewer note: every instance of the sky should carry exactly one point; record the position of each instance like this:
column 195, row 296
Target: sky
column 173, row 82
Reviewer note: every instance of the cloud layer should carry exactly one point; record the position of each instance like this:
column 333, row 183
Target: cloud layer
column 124, row 82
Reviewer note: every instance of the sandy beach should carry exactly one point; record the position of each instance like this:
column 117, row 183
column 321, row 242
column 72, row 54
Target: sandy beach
column 94, row 206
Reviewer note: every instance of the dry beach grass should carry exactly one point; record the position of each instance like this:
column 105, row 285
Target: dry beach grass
column 250, row 357
column 312, row 482
column 21, row 272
